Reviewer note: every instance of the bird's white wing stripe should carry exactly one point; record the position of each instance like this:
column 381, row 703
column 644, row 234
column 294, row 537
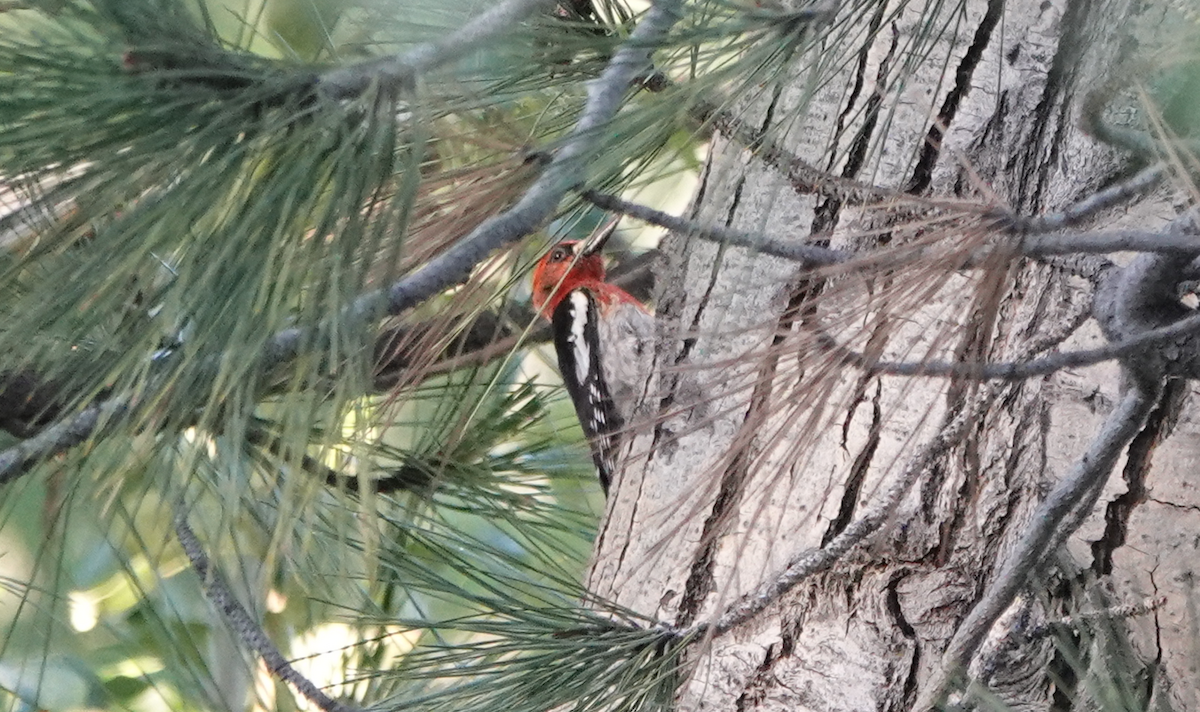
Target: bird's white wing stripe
column 579, row 319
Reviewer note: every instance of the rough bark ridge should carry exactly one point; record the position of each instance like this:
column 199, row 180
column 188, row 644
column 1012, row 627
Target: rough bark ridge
column 761, row 451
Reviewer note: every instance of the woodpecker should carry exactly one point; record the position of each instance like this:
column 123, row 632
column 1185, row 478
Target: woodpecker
column 602, row 336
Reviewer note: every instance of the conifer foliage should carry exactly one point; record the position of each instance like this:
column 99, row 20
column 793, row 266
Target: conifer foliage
column 277, row 427
column 263, row 389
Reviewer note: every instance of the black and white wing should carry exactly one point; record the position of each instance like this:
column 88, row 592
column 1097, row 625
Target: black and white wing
column 577, row 341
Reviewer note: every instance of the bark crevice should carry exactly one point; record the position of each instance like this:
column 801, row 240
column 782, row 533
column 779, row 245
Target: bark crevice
column 826, row 214
column 923, row 173
column 724, row 509
column 1137, row 466
column 858, row 471
column 1031, row 167
column 896, row 612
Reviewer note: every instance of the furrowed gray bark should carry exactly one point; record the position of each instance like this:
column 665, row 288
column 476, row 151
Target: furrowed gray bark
column 756, row 448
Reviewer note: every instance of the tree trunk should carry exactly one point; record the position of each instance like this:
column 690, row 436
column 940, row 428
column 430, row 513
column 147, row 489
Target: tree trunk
column 766, row 444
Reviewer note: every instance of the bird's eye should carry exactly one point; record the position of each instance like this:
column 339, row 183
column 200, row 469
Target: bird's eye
column 559, row 254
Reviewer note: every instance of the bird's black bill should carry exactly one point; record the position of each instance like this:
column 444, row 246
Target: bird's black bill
column 599, row 238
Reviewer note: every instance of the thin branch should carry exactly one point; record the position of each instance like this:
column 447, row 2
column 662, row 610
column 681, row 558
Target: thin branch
column 400, row 71
column 55, row 439
column 1104, row 242
column 1177, row 237
column 417, row 475
column 244, row 626
column 1015, row 371
column 1088, row 473
column 788, row 249
column 499, row 348
column 1172, row 240
column 1115, row 194
column 605, row 96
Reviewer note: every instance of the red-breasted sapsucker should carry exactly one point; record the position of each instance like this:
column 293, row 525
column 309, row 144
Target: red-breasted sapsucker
column 603, row 337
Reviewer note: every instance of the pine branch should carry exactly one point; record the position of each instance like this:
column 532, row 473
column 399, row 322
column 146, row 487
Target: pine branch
column 1174, row 239
column 788, row 249
column 400, row 72
column 57, row 438
column 243, row 625
column 1111, row 196
column 1132, row 347
column 485, row 341
column 566, row 170
column 537, row 204
column 1109, row 241
column 1090, row 472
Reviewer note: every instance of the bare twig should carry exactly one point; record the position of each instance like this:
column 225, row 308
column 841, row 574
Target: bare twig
column 1014, row 371
column 1104, row 242
column 788, row 249
column 1089, row 472
column 61, row 436
column 402, row 70
column 1174, row 239
column 605, row 96
column 1139, row 183
column 244, row 626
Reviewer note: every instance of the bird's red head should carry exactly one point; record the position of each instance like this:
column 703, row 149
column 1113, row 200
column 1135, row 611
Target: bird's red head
column 567, row 265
